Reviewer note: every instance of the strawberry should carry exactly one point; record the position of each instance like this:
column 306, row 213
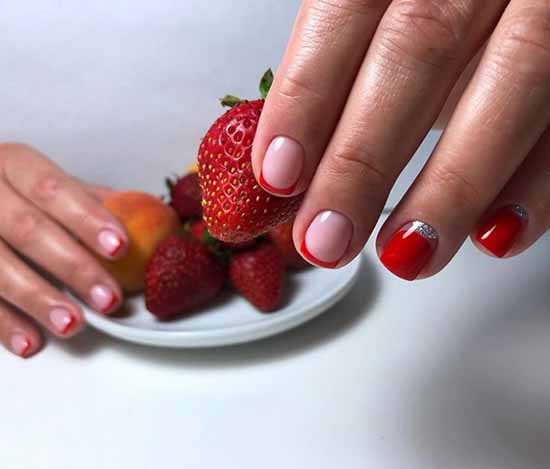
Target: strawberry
column 181, row 276
column 235, row 207
column 186, row 196
column 259, row 275
column 281, row 236
column 199, row 231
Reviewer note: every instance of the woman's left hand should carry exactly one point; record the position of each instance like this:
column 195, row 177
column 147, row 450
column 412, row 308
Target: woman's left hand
column 361, row 84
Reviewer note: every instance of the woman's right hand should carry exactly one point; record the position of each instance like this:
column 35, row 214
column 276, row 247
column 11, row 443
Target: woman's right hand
column 50, row 223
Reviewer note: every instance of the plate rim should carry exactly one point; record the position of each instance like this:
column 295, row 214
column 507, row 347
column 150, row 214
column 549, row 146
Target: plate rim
column 230, row 335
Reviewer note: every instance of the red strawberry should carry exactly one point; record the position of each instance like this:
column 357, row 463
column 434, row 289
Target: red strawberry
column 200, row 233
column 181, row 276
column 235, row 207
column 259, row 275
column 186, row 196
column 282, row 238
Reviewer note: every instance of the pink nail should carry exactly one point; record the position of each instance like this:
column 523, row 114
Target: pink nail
column 20, row 345
column 282, row 166
column 104, row 298
column 61, row 319
column 111, row 242
column 327, row 239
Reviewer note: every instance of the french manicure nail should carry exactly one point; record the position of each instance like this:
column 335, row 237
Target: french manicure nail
column 500, row 231
column 410, row 249
column 282, row 166
column 20, row 344
column 61, row 319
column 110, row 241
column 104, row 298
column 327, row 239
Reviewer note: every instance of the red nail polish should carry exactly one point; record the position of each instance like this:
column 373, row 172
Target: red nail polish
column 275, row 190
column 311, row 258
column 500, row 231
column 410, row 249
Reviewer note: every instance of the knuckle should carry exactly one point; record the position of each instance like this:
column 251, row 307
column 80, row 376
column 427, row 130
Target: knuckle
column 462, row 194
column 24, row 226
column 524, row 48
column 427, row 31
column 295, row 89
column 46, row 187
column 353, row 165
column 362, row 7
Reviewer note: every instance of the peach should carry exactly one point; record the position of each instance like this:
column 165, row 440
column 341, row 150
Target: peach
column 148, row 222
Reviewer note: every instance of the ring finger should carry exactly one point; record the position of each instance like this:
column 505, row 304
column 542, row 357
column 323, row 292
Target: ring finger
column 30, row 232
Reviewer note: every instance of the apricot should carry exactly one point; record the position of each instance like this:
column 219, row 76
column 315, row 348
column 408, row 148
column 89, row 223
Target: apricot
column 148, row 222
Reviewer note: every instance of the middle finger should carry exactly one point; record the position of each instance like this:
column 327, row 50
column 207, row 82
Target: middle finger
column 417, row 54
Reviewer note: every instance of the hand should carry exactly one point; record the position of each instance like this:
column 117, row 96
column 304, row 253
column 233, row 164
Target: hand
column 361, row 84
column 51, row 219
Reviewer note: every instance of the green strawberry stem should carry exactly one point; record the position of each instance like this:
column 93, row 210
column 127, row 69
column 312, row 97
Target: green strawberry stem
column 230, row 101
column 265, row 83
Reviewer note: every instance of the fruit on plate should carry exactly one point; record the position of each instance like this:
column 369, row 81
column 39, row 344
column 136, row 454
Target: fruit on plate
column 148, row 222
column 199, row 231
column 182, row 276
column 235, row 207
column 281, row 236
column 259, row 275
column 186, row 196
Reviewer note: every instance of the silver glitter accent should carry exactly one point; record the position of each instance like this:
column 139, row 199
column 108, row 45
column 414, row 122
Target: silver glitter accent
column 425, row 230
column 520, row 212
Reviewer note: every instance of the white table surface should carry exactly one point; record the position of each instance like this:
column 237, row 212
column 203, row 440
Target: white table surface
column 450, row 372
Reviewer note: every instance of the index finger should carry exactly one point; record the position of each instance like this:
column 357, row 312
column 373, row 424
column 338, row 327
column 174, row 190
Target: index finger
column 40, row 181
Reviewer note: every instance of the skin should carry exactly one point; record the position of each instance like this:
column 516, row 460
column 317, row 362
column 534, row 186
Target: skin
column 360, row 85
column 363, row 81
column 54, row 221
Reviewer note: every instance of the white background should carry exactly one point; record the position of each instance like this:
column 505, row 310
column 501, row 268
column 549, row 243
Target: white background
column 450, row 372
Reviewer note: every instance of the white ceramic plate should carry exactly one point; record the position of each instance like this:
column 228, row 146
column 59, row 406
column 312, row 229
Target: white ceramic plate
column 232, row 320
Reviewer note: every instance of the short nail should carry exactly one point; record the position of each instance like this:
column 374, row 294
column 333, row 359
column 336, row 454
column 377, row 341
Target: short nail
column 501, row 230
column 110, row 241
column 104, row 298
column 410, row 249
column 327, row 239
column 61, row 319
column 20, row 345
column 282, row 166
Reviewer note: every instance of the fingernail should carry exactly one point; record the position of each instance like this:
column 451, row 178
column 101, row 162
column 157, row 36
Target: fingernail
column 410, row 249
column 61, row 319
column 282, row 166
column 501, row 230
column 327, row 239
column 104, row 298
column 20, row 345
column 110, row 241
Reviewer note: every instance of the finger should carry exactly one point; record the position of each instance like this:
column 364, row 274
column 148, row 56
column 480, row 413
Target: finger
column 18, row 335
column 521, row 213
column 416, row 56
column 63, row 199
column 31, row 233
column 326, row 48
column 99, row 192
column 26, row 290
column 499, row 119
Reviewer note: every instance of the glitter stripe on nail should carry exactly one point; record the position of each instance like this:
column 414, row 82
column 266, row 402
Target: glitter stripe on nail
column 520, row 212
column 425, row 230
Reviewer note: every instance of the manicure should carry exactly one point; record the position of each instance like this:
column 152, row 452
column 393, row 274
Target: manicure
column 410, row 249
column 20, row 345
column 62, row 320
column 500, row 231
column 282, row 166
column 104, row 298
column 327, row 239
column 111, row 242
